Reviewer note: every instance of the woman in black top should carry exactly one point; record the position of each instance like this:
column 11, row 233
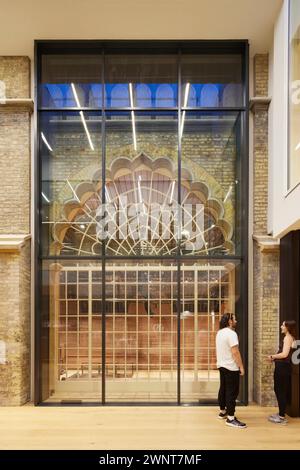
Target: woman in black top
column 283, row 370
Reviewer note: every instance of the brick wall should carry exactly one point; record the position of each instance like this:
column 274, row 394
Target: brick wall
column 15, row 73
column 15, row 326
column 266, row 321
column 261, row 74
column 260, row 186
column 14, row 170
column 265, row 257
column 15, row 220
column 209, row 156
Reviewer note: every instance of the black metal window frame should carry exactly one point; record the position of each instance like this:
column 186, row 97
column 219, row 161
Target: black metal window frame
column 152, row 47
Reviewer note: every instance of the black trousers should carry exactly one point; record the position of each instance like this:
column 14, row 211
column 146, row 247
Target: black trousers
column 229, row 389
column 282, row 385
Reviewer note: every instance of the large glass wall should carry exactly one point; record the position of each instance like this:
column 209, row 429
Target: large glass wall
column 142, row 218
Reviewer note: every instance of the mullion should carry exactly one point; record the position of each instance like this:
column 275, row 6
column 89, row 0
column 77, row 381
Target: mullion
column 149, row 109
column 154, row 258
column 103, row 247
column 179, row 226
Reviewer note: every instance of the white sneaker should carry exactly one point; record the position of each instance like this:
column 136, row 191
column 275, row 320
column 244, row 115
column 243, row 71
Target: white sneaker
column 277, row 419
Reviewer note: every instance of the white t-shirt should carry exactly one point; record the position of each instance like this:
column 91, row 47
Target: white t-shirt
column 226, row 338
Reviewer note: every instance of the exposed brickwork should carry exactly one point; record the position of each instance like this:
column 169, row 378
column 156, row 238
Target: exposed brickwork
column 261, row 74
column 265, row 263
column 15, row 326
column 15, row 220
column 15, row 73
column 260, row 187
column 209, row 157
column 14, row 170
column 266, row 322
column 216, row 153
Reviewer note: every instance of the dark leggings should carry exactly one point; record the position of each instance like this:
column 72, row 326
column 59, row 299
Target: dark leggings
column 282, row 385
column 229, row 389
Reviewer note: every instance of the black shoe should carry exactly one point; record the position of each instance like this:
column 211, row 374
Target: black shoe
column 222, row 415
column 235, row 423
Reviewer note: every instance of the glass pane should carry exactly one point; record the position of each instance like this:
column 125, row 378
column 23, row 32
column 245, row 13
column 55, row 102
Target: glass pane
column 200, row 323
column 59, row 72
column 70, row 156
column 294, row 151
column 141, row 183
column 70, row 336
column 141, row 354
column 141, row 218
column 210, row 189
column 212, row 80
column 141, row 81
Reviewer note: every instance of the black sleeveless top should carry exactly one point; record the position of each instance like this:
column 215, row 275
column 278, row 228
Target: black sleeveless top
column 287, row 359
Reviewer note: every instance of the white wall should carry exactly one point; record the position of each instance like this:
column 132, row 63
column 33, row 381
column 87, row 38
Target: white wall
column 284, row 207
column 22, row 21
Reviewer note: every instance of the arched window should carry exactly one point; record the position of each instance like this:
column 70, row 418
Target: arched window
column 192, row 101
column 164, row 96
column 120, row 96
column 209, row 95
column 231, row 94
column 143, row 96
column 95, row 96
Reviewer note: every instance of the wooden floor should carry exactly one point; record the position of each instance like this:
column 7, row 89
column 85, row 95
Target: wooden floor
column 108, row 428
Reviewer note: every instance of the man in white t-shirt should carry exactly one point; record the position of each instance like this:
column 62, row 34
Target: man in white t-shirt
column 230, row 365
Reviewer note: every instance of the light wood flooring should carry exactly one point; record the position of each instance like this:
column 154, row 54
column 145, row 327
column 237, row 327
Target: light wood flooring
column 108, row 428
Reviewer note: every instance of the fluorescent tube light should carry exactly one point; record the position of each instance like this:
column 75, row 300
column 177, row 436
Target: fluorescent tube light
column 185, row 102
column 82, row 117
column 132, row 116
column 45, row 197
column 172, row 192
column 46, row 142
column 86, row 130
column 228, row 193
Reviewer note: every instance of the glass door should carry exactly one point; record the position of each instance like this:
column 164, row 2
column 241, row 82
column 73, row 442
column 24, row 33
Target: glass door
column 207, row 292
column 73, row 330
column 141, row 331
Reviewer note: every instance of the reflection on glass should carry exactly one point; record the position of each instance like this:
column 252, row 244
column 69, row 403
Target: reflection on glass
column 215, row 281
column 210, row 183
column 141, row 354
column 294, row 123
column 70, row 332
column 142, row 306
column 215, row 80
column 59, row 71
column 141, row 184
column 153, row 79
column 70, row 154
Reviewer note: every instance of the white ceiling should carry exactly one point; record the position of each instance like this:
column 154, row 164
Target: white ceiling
column 22, row 21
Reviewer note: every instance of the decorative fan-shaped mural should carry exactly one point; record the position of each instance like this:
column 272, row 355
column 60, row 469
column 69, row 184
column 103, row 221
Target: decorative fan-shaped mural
column 148, row 183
